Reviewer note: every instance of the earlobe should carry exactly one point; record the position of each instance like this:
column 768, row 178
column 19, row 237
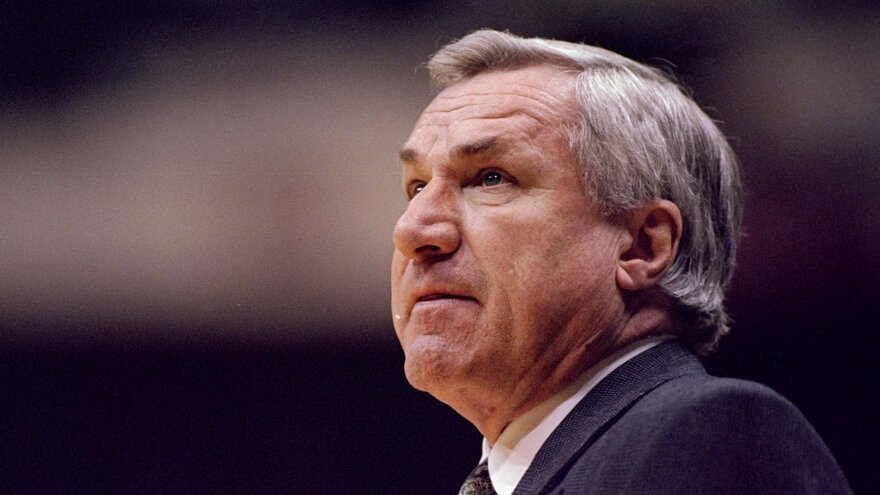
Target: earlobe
column 654, row 232
column 624, row 280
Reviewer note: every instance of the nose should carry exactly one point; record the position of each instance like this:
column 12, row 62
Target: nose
column 429, row 228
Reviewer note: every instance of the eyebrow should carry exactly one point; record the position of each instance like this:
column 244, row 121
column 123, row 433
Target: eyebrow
column 409, row 155
column 464, row 150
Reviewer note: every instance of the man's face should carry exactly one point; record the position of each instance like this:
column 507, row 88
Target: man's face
column 503, row 270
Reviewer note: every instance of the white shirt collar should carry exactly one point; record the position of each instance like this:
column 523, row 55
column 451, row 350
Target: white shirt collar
column 516, row 447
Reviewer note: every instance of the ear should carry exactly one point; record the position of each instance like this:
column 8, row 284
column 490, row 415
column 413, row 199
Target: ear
column 654, row 232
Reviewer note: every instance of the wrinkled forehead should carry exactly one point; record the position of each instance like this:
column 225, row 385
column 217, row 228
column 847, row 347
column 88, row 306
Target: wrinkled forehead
column 539, row 96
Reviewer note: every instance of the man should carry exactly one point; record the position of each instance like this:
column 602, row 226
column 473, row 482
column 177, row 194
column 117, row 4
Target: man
column 572, row 223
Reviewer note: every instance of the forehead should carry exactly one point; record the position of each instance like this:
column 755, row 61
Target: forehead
column 524, row 101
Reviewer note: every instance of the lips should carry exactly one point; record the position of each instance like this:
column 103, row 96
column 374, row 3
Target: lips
column 433, row 296
column 437, row 296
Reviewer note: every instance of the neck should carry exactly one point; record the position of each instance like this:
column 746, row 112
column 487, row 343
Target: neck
column 648, row 315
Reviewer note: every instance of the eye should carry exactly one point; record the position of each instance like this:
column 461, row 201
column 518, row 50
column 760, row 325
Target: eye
column 415, row 188
column 489, row 178
column 492, row 179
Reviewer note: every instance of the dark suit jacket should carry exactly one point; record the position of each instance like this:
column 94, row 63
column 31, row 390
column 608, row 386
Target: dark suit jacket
column 660, row 424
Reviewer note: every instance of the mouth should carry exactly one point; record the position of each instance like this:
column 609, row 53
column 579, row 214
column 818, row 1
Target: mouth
column 442, row 296
column 425, row 307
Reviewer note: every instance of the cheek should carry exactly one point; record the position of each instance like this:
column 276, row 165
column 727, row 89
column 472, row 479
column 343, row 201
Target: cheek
column 551, row 275
column 398, row 269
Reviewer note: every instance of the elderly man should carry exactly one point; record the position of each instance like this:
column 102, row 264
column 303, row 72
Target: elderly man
column 572, row 223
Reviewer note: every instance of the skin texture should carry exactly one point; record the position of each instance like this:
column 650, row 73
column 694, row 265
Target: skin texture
column 505, row 278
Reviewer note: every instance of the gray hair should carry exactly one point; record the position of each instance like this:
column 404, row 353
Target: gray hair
column 638, row 138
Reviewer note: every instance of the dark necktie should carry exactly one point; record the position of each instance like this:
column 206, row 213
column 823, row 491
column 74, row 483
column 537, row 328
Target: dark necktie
column 478, row 482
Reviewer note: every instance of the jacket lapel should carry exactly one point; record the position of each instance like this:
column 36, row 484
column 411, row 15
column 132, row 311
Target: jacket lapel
column 600, row 409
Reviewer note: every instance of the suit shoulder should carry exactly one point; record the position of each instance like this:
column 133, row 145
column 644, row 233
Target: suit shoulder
column 746, row 416
column 700, row 434
column 702, row 394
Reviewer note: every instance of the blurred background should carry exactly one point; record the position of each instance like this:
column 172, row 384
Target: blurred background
column 196, row 204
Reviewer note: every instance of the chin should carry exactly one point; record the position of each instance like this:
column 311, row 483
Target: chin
column 432, row 365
